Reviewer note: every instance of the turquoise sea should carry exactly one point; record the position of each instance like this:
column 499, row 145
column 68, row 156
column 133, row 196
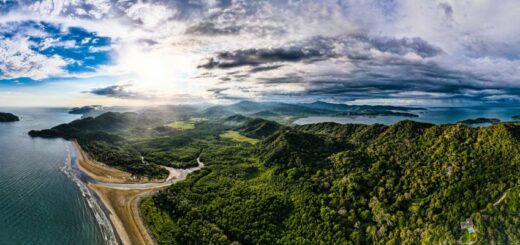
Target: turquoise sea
column 39, row 203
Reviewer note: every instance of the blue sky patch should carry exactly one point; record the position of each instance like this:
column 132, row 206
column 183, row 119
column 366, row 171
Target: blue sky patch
column 83, row 51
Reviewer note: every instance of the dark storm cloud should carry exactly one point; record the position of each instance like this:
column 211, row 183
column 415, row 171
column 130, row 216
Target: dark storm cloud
column 255, row 57
column 405, row 45
column 354, row 47
column 425, row 81
column 374, row 77
column 383, row 75
column 211, row 29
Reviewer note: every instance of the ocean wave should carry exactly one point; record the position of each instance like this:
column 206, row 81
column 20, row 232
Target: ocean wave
column 101, row 217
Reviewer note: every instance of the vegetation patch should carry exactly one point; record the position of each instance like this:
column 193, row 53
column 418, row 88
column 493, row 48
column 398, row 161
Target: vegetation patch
column 182, row 125
column 236, row 136
column 351, row 184
column 469, row 238
column 316, row 184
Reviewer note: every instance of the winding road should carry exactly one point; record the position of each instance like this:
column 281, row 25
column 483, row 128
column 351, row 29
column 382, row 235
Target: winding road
column 176, row 175
column 118, row 206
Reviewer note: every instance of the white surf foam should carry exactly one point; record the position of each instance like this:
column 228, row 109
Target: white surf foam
column 107, row 229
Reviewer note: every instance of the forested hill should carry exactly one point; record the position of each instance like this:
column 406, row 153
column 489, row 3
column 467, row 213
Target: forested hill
column 362, row 184
column 8, row 117
column 265, row 183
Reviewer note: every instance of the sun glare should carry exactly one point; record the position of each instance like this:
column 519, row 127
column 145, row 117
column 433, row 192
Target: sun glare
column 157, row 73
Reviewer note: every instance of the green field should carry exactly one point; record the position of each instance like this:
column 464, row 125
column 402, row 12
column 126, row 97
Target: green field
column 182, row 125
column 186, row 124
column 236, row 136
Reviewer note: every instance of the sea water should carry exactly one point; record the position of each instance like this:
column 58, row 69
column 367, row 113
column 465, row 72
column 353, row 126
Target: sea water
column 39, row 202
column 445, row 115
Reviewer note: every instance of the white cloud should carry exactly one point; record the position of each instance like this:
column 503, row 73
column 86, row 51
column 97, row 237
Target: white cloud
column 56, row 42
column 149, row 15
column 17, row 60
column 74, row 8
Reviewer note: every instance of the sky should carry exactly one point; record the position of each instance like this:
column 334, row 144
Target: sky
column 129, row 52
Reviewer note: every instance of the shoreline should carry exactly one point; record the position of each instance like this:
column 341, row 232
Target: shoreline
column 123, row 207
column 104, row 173
column 120, row 198
column 121, row 204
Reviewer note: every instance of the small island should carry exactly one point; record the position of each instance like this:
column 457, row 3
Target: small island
column 516, row 117
column 480, row 120
column 8, row 117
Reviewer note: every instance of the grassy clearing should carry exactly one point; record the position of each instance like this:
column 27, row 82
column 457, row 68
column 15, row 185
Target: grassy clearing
column 468, row 238
column 236, row 136
column 186, row 125
column 182, row 125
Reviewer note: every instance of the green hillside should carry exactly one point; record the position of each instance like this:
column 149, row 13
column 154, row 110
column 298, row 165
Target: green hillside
column 324, row 183
column 339, row 184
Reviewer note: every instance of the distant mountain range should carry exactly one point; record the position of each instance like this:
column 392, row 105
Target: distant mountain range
column 277, row 111
column 318, row 108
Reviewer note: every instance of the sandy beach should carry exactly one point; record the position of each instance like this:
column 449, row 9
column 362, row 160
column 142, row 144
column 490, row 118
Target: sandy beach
column 121, row 194
column 124, row 209
column 103, row 173
column 123, row 203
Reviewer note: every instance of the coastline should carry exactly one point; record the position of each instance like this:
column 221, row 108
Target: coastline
column 121, row 204
column 103, row 173
column 120, row 198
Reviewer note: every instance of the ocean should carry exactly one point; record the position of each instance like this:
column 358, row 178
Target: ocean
column 443, row 115
column 39, row 202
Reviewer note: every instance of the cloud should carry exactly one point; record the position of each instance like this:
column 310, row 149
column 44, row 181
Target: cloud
column 129, row 92
column 347, row 67
column 149, row 15
column 255, row 57
column 405, row 46
column 18, row 60
column 447, row 9
column 87, row 9
column 354, row 47
column 118, row 91
column 41, row 50
column 211, row 29
column 232, row 49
